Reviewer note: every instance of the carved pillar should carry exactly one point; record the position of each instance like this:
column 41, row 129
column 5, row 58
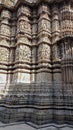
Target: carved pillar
column 44, row 41
column 55, row 38
column 4, row 45
column 34, row 46
column 12, row 46
column 56, row 64
column 66, row 20
column 23, row 46
column 55, row 24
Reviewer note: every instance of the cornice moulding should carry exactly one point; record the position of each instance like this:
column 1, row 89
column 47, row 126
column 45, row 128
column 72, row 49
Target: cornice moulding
column 15, row 3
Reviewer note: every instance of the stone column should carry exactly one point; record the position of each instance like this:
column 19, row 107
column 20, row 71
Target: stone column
column 34, row 46
column 44, row 42
column 12, row 46
column 55, row 37
column 4, row 45
column 55, row 24
column 23, row 46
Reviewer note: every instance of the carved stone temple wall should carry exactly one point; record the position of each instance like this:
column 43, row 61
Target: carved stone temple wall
column 36, row 61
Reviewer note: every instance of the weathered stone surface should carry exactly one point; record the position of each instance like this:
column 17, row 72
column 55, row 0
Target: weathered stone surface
column 36, row 61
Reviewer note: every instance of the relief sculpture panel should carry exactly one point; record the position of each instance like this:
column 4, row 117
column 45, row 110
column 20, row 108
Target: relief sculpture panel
column 4, row 54
column 23, row 53
column 23, row 26
column 5, row 30
column 44, row 25
column 44, row 52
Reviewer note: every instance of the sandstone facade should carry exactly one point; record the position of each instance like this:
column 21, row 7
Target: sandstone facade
column 36, row 61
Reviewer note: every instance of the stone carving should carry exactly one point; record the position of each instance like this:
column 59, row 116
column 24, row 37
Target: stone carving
column 6, row 14
column 24, row 40
column 23, row 53
column 36, row 46
column 66, row 21
column 5, row 30
column 4, row 54
column 24, row 10
column 55, row 26
column 44, row 52
column 44, row 25
column 23, row 26
column 3, row 42
column 12, row 55
column 43, row 8
column 13, row 31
